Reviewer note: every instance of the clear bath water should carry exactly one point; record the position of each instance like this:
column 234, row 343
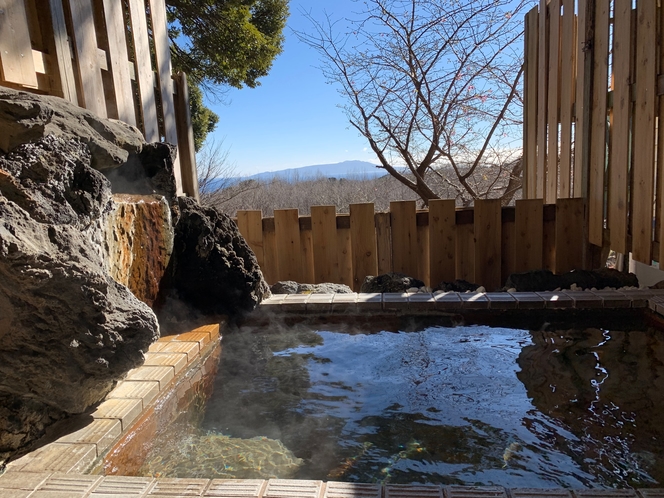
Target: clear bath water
column 460, row 405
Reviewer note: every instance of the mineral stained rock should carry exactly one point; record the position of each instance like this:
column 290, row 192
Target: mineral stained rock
column 212, row 268
column 68, row 331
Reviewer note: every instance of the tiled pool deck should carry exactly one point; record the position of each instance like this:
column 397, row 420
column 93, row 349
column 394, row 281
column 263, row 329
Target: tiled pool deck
column 58, row 469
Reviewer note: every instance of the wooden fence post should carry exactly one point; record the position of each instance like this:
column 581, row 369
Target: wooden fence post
column 186, row 150
column 488, row 225
column 404, row 237
column 363, row 242
column 442, row 241
column 324, row 232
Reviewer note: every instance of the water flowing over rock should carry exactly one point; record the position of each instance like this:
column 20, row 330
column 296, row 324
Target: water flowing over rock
column 139, row 243
column 68, row 330
column 212, row 268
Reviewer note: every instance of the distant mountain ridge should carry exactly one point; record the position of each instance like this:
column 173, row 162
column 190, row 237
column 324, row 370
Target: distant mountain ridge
column 345, row 169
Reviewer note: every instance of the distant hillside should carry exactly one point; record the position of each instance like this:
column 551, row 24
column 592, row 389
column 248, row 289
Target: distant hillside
column 346, row 169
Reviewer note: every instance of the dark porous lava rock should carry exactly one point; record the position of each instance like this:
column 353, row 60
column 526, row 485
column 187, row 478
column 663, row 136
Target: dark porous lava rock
column 68, row 331
column 212, row 268
column 390, row 282
column 457, row 286
column 545, row 280
column 290, row 287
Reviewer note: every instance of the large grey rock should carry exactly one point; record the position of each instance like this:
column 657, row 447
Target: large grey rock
column 26, row 117
column 212, row 269
column 68, row 331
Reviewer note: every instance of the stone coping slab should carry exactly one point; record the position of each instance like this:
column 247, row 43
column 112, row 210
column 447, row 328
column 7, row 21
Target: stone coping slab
column 425, row 303
column 35, row 485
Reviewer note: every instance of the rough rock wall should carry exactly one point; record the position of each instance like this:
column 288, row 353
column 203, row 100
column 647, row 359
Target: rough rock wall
column 68, row 330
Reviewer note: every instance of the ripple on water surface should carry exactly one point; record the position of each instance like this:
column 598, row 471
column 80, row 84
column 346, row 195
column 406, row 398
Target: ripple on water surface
column 463, row 405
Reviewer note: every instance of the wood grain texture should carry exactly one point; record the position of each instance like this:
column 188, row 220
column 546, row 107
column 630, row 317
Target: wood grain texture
column 92, row 95
column 542, row 100
column 442, row 241
column 644, row 132
column 569, row 235
column 567, row 87
column 63, row 55
column 598, row 133
column 465, row 252
column 404, row 237
column 488, row 244
column 530, row 103
column 508, row 250
column 423, row 259
column 119, row 61
column 271, row 268
column 289, row 250
column 551, row 190
column 363, row 243
column 384, row 242
column 529, row 233
column 250, row 224
column 144, row 71
column 345, row 255
column 307, row 250
column 188, row 183
column 324, row 232
column 16, row 63
column 581, row 104
column 620, row 129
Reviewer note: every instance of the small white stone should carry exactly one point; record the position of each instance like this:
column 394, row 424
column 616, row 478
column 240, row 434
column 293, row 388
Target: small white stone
column 438, row 292
column 557, row 289
column 413, row 290
column 480, row 289
column 511, row 289
column 425, row 289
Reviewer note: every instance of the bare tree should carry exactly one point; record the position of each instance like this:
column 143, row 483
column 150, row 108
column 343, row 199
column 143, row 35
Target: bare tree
column 218, row 182
column 433, row 85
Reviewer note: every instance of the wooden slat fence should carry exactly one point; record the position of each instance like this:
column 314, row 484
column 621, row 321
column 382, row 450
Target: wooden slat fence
column 111, row 57
column 594, row 98
column 483, row 244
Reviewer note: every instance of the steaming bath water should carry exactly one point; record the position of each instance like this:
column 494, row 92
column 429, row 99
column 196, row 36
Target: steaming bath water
column 464, row 405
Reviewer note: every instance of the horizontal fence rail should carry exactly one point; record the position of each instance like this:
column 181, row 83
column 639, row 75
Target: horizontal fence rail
column 484, row 244
column 111, row 57
column 593, row 101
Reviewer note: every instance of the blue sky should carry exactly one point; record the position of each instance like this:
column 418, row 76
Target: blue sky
column 292, row 119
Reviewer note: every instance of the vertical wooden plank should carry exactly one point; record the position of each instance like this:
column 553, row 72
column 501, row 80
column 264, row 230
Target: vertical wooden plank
column 363, row 242
column 188, row 182
column 465, row 250
column 620, row 133
column 16, row 63
column 163, row 61
column 271, row 267
column 324, row 228
column 530, row 102
column 598, row 132
column 144, row 73
column 345, row 256
column 549, row 239
column 384, row 243
column 567, row 77
column 551, row 192
column 119, row 61
column 423, row 268
column 63, row 55
column 442, row 241
column 404, row 237
column 307, row 248
column 85, row 42
column 644, row 131
column 287, row 238
column 660, row 150
column 529, row 226
column 569, row 235
column 250, row 224
column 508, row 246
column 542, row 99
column 488, row 243
column 580, row 101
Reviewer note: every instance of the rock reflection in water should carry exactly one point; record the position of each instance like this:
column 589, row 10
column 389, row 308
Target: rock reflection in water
column 607, row 389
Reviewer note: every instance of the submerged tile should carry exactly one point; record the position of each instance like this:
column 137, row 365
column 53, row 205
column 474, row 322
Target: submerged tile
column 605, row 493
column 226, row 488
column 540, row 493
